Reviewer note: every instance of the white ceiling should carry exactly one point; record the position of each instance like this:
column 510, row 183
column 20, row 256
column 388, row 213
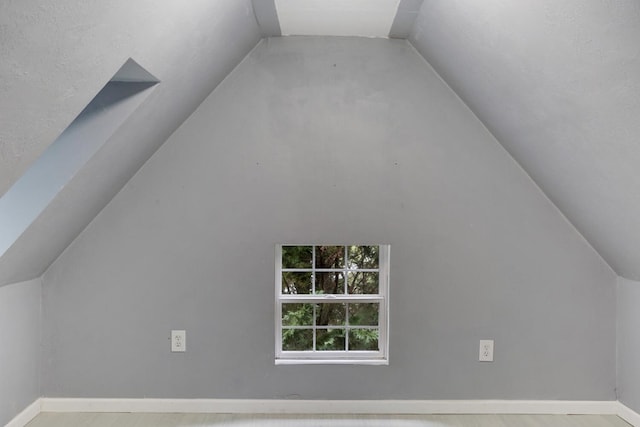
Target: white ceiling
column 558, row 84
column 367, row 18
column 363, row 18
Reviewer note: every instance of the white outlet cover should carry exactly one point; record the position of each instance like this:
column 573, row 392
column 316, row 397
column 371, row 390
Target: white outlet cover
column 178, row 341
column 486, row 351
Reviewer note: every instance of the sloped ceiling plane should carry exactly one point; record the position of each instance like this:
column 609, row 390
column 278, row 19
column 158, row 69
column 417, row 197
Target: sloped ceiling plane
column 557, row 83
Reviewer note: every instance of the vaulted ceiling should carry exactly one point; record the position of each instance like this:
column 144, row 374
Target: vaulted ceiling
column 557, row 83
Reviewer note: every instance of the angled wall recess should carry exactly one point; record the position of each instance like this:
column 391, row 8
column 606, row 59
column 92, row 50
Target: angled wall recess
column 58, row 164
column 363, row 18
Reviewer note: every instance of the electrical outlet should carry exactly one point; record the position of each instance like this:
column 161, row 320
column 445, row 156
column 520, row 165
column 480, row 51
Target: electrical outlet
column 486, row 351
column 178, row 341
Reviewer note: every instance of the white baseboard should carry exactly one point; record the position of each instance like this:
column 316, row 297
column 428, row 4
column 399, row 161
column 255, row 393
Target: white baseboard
column 24, row 417
column 629, row 415
column 267, row 406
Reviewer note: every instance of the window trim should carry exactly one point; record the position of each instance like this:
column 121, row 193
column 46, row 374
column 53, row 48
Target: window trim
column 352, row 357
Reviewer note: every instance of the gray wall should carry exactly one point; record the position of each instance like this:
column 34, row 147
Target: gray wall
column 330, row 140
column 20, row 347
column 629, row 343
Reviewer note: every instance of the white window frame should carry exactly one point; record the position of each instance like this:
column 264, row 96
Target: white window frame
column 359, row 357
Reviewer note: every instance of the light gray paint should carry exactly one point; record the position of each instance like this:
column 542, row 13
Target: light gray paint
column 57, row 165
column 629, row 343
column 405, row 17
column 330, row 140
column 20, row 348
column 56, row 57
column 267, row 17
column 558, row 84
column 131, row 71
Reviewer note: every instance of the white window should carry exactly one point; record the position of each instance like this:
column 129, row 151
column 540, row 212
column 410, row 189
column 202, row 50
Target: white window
column 332, row 304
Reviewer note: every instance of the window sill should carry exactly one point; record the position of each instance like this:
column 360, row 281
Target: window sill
column 374, row 362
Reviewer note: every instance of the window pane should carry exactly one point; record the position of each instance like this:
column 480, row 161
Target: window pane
column 297, row 256
column 330, row 283
column 297, row 339
column 331, row 314
column 363, row 339
column 297, row 314
column 294, row 282
column 330, row 340
column 363, row 283
column 329, row 256
column 364, row 314
column 364, row 256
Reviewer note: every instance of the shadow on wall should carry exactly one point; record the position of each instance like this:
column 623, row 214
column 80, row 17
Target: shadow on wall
column 57, row 165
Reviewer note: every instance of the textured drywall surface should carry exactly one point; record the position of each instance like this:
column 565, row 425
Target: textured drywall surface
column 407, row 10
column 20, row 347
column 364, row 18
column 558, row 84
column 57, row 165
column 332, row 140
column 267, row 17
column 405, row 17
column 56, row 56
column 628, row 343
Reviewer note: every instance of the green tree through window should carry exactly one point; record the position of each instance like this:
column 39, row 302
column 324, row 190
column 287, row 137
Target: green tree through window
column 332, row 302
